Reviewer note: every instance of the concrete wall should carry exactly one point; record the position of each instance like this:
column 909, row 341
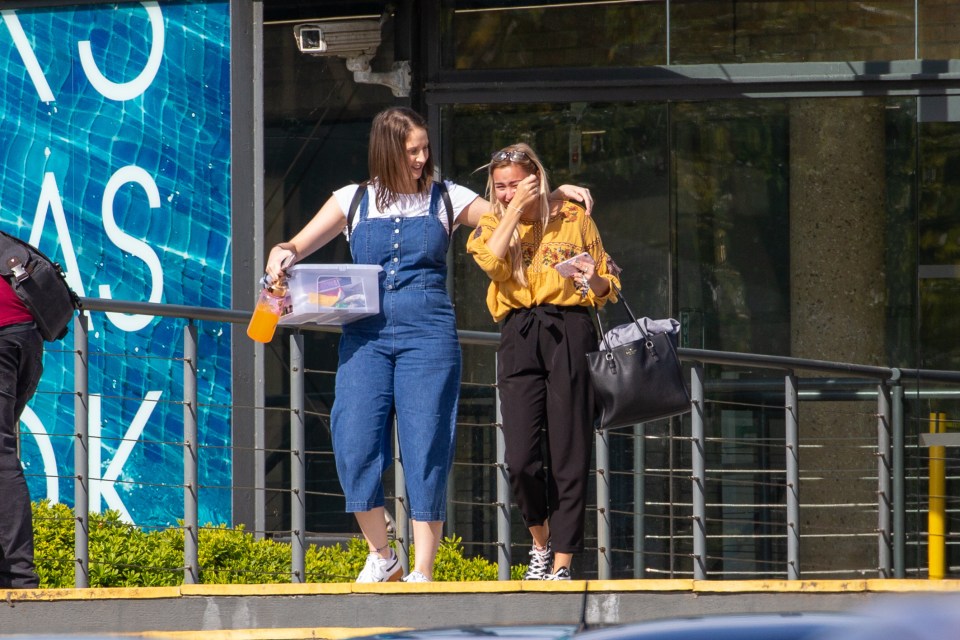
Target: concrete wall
column 344, row 610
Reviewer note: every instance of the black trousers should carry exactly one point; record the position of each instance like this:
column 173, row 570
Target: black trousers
column 21, row 363
column 547, row 407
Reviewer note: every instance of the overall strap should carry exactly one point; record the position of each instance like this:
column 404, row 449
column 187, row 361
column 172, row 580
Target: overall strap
column 354, row 205
column 447, row 205
column 362, row 190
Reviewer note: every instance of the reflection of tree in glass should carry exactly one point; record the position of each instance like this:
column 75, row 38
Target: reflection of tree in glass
column 729, row 297
column 566, row 35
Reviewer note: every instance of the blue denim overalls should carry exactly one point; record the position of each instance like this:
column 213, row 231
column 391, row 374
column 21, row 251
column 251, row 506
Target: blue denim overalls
column 404, row 360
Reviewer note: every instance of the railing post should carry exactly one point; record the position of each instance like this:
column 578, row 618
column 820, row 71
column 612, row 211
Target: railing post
column 884, row 558
column 503, row 494
column 81, row 452
column 402, row 535
column 899, row 492
column 699, row 477
column 604, row 552
column 259, row 444
column 639, row 500
column 936, row 510
column 791, row 415
column 298, row 484
column 191, row 521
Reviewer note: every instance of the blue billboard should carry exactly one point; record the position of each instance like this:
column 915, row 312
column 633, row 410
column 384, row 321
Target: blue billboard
column 115, row 162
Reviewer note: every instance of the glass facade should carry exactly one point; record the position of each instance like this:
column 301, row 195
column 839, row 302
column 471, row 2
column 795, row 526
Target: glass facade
column 795, row 218
column 496, row 34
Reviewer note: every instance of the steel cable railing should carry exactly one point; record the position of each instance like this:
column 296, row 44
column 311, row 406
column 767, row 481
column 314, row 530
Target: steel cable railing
column 708, row 514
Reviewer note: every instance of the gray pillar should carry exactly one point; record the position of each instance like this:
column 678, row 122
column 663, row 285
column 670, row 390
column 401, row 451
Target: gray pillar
column 246, row 213
column 837, row 293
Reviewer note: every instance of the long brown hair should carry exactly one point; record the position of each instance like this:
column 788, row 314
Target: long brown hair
column 387, row 154
column 522, row 155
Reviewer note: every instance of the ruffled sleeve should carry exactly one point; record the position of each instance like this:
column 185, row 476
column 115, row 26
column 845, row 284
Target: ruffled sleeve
column 497, row 269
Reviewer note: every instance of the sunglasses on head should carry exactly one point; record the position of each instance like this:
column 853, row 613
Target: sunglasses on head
column 512, row 156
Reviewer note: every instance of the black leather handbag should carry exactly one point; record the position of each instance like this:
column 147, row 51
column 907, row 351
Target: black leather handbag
column 638, row 381
column 40, row 283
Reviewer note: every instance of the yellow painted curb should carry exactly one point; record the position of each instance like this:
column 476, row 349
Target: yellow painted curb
column 877, row 585
column 554, row 586
column 400, row 587
column 653, row 585
column 473, row 586
column 912, row 586
column 116, row 593
column 779, row 586
column 282, row 589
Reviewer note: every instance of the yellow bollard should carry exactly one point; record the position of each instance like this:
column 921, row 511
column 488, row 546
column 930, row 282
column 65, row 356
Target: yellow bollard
column 936, row 516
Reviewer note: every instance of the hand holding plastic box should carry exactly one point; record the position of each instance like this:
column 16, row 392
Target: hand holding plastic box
column 331, row 294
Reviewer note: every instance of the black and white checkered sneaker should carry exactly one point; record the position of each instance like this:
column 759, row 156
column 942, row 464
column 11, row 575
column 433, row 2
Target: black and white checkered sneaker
column 541, row 562
column 560, row 574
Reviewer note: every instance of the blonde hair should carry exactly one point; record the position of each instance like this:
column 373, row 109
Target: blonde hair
column 387, row 154
column 522, row 155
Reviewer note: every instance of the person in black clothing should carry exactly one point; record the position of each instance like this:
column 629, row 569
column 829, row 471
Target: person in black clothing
column 21, row 363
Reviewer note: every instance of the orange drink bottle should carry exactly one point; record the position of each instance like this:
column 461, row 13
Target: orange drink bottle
column 267, row 312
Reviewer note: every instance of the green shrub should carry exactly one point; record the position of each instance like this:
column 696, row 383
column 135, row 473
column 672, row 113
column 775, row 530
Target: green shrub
column 53, row 544
column 335, row 563
column 123, row 555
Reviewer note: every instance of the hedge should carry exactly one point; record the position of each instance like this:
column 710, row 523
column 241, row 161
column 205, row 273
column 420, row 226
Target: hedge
column 124, row 555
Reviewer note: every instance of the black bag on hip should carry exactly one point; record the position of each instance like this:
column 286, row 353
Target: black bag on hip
column 638, row 381
column 40, row 283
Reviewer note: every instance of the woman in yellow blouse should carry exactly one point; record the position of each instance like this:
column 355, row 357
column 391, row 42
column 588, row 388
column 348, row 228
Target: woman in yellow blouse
column 546, row 331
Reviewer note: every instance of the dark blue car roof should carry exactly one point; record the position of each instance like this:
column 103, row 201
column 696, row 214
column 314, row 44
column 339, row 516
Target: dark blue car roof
column 760, row 626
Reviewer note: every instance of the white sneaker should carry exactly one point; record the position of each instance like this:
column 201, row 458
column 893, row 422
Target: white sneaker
column 541, row 562
column 379, row 569
column 416, row 576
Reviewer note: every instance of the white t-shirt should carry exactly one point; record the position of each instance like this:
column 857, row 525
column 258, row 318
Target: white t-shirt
column 407, row 205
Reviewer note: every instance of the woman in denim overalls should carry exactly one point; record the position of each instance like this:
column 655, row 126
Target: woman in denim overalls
column 406, row 359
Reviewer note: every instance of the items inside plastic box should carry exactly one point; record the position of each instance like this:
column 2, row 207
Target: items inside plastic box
column 339, row 293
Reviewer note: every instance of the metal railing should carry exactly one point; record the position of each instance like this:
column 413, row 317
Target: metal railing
column 884, row 386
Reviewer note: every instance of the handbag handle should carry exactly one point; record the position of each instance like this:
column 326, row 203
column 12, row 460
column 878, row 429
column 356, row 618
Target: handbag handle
column 603, row 334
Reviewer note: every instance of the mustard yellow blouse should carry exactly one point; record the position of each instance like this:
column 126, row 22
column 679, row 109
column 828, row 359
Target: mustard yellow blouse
column 567, row 234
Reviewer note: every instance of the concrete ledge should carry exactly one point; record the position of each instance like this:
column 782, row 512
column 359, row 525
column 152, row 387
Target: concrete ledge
column 337, row 611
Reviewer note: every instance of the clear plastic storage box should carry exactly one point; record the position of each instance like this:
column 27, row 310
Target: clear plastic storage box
column 333, row 294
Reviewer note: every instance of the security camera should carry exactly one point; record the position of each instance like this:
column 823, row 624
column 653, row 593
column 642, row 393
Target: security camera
column 346, row 38
column 356, row 41
column 310, row 39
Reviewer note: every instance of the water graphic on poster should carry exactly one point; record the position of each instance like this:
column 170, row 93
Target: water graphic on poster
column 115, row 161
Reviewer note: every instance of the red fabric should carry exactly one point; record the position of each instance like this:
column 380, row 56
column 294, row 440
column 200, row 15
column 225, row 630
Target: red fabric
column 12, row 309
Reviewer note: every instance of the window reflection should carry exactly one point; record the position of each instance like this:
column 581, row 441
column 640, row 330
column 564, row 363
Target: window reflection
column 497, row 34
column 704, row 31
column 732, row 206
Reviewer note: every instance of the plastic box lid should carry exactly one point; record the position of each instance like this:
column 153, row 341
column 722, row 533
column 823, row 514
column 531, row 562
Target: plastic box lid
column 331, row 294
